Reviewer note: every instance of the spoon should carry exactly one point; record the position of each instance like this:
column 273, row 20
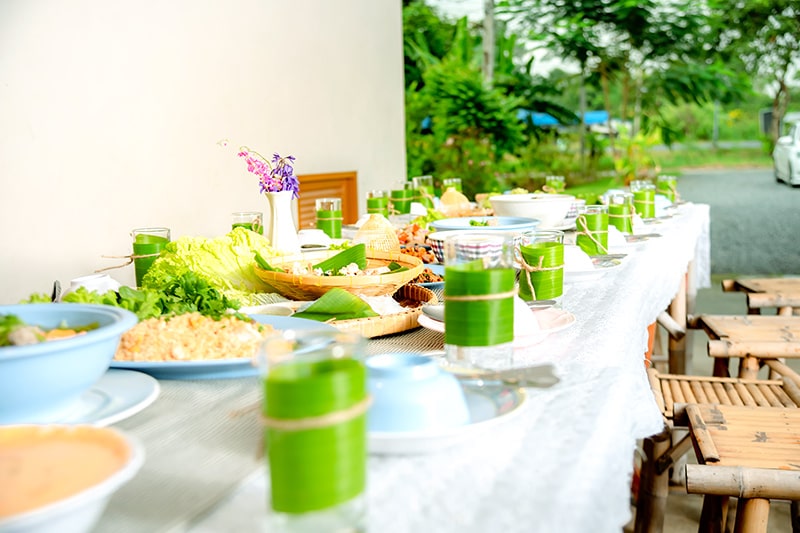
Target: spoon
column 541, row 304
column 56, row 294
column 541, row 376
column 435, row 312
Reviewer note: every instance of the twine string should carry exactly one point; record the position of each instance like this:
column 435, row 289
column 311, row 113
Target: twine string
column 130, row 259
column 482, row 297
column 590, row 234
column 317, row 422
column 528, row 268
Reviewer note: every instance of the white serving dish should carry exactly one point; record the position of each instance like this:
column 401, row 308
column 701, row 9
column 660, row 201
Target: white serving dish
column 549, row 209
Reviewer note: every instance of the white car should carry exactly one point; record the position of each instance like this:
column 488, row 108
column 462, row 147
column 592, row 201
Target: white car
column 786, row 157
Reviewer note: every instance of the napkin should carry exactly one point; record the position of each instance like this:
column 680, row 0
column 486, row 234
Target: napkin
column 615, row 238
column 336, row 304
column 525, row 322
column 576, row 260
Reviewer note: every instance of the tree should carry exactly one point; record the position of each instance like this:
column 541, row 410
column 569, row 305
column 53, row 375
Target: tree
column 765, row 36
column 634, row 44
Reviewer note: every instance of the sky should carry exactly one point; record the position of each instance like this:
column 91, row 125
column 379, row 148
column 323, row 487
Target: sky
column 473, row 10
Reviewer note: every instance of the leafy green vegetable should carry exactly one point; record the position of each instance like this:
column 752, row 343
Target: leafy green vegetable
column 355, row 254
column 226, row 262
column 37, row 298
column 394, row 266
column 8, row 323
column 261, row 262
column 181, row 294
column 474, row 222
column 432, row 216
column 337, row 304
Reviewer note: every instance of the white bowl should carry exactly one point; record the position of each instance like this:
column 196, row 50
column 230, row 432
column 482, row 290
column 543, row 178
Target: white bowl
column 77, row 511
column 550, row 209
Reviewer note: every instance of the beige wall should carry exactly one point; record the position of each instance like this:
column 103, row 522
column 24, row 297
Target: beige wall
column 110, row 114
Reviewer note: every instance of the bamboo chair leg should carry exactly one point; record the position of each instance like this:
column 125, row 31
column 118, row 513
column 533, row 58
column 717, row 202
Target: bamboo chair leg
column 721, row 367
column 794, row 512
column 714, row 514
column 752, row 515
column 651, row 502
column 748, row 368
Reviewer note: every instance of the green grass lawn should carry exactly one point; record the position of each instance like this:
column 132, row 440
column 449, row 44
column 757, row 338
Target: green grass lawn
column 677, row 160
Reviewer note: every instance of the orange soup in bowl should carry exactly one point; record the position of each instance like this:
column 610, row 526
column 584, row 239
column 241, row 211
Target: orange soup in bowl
column 40, row 465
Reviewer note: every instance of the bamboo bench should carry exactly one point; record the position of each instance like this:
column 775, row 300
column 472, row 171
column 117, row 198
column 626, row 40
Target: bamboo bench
column 780, row 293
column 672, row 393
column 751, row 453
column 750, row 338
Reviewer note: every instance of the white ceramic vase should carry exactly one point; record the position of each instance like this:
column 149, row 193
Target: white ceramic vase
column 281, row 230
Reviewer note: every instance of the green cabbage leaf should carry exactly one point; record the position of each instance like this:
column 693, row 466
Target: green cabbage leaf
column 226, row 262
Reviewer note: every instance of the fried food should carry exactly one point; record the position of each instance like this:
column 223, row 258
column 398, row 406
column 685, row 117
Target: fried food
column 191, row 337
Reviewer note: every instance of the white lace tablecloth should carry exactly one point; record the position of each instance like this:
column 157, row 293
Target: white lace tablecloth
column 564, row 463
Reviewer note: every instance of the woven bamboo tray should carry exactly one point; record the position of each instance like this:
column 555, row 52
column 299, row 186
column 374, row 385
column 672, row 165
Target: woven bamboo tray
column 411, row 296
column 310, row 287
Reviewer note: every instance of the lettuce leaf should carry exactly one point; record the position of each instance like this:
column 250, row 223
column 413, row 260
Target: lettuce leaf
column 226, row 262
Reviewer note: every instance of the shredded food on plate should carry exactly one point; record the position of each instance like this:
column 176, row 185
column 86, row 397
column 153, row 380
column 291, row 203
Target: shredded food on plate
column 191, row 337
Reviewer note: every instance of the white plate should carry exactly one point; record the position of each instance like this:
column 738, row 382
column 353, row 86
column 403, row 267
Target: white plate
column 569, row 226
column 550, row 320
column 218, row 368
column 488, row 406
column 599, row 270
column 117, row 395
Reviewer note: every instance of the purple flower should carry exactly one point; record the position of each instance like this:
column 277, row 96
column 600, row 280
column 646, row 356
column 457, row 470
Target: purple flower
column 274, row 175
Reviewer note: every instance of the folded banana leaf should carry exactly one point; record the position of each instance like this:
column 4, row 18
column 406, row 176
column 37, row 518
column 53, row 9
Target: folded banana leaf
column 336, row 304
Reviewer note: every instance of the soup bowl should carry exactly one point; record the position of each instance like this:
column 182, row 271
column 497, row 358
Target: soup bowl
column 40, row 382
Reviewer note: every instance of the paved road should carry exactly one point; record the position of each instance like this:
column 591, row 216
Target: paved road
column 755, row 222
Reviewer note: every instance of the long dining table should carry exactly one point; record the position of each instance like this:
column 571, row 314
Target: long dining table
column 562, row 461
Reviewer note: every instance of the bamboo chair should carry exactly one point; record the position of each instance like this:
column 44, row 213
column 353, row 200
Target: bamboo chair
column 663, row 450
column 747, row 452
column 750, row 338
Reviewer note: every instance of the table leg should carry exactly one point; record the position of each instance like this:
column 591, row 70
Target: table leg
column 752, row 515
column 651, row 501
column 677, row 347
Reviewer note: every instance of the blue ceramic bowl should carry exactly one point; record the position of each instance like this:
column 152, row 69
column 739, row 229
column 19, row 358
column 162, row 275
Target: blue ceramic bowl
column 40, row 383
column 411, row 392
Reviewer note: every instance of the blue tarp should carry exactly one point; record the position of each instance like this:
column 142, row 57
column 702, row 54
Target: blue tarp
column 545, row 119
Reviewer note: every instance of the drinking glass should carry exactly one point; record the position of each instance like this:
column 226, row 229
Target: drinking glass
column 454, row 183
column 620, row 211
column 378, row 202
column 668, row 186
column 400, row 198
column 329, row 216
column 555, row 184
column 147, row 246
column 423, row 187
column 252, row 220
column 479, row 299
column 541, row 263
column 592, row 229
column 314, row 413
column 644, row 198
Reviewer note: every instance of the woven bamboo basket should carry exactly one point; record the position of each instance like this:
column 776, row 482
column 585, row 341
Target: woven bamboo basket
column 411, row 296
column 310, row 287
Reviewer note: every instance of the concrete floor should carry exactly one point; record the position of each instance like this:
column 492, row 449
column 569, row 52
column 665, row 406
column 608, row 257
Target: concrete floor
column 683, row 510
